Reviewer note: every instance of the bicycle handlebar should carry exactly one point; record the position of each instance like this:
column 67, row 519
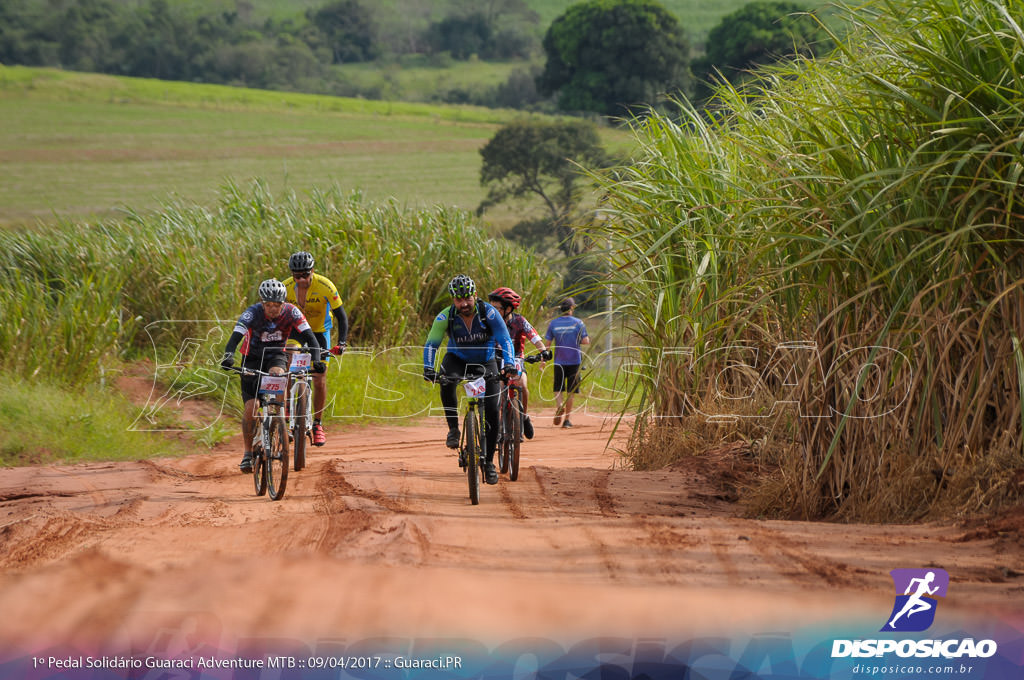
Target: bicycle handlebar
column 292, row 348
column 247, row 371
column 453, row 379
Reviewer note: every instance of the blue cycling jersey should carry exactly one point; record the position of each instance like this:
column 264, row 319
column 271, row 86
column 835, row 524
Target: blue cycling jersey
column 474, row 342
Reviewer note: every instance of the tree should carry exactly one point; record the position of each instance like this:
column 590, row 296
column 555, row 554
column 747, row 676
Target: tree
column 541, row 159
column 461, row 36
column 613, row 56
column 349, row 28
column 759, row 34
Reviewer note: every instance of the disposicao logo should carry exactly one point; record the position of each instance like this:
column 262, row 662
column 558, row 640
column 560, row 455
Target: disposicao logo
column 914, row 609
column 917, row 593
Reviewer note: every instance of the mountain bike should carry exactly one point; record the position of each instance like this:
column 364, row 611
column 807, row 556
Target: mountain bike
column 510, row 422
column 300, row 403
column 471, row 445
column 270, row 442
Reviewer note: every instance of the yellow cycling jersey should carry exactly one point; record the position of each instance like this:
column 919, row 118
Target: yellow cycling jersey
column 321, row 298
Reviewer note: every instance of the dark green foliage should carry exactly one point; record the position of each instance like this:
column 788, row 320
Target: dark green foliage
column 494, row 30
column 542, row 159
column 759, row 34
column 461, row 36
column 614, row 56
column 350, row 30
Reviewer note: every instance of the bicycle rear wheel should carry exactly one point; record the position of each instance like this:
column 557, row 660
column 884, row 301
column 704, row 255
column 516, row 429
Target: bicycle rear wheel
column 472, row 452
column 515, row 438
column 503, row 432
column 277, row 458
column 301, row 428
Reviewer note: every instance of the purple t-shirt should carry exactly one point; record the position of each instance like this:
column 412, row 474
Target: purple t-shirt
column 566, row 332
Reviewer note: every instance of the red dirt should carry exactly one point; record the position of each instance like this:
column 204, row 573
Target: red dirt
column 377, row 537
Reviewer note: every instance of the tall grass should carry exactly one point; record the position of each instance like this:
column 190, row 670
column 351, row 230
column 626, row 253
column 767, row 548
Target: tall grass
column 81, row 294
column 41, row 423
column 857, row 222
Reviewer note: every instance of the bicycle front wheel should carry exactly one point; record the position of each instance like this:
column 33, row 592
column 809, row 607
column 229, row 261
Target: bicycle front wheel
column 514, row 434
column 302, row 424
column 277, row 458
column 259, row 462
column 472, row 453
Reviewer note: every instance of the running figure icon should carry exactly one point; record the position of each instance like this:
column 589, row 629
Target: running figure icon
column 914, row 610
column 917, row 603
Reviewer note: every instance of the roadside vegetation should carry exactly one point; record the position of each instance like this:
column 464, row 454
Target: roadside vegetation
column 83, row 297
column 41, row 422
column 837, row 253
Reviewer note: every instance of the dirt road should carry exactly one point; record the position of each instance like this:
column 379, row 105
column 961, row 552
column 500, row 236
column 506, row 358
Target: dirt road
column 377, row 538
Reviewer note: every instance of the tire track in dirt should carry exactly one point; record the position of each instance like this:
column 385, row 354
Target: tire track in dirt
column 403, row 445
column 48, row 540
column 782, row 552
column 510, row 503
column 206, row 468
column 596, row 488
column 660, row 541
column 605, row 500
column 29, row 495
column 371, row 525
column 98, row 497
column 719, row 543
column 546, row 507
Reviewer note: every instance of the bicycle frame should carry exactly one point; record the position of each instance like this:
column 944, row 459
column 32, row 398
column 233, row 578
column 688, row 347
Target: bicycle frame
column 510, row 425
column 300, row 426
column 269, row 435
column 473, row 436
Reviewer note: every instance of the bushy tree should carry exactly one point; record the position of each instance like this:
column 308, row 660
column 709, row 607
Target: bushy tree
column 759, row 34
column 612, row 56
column 461, row 36
column 542, row 160
column 349, row 28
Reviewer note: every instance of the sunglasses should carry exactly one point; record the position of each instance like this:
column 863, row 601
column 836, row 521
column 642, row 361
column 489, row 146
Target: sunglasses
column 302, row 275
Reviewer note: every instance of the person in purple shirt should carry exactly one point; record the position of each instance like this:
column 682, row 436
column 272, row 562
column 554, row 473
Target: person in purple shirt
column 567, row 333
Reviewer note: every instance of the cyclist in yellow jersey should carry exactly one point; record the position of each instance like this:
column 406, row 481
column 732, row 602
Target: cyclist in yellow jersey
column 319, row 301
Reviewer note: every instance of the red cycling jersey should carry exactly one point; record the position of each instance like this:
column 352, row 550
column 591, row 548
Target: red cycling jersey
column 263, row 334
column 521, row 331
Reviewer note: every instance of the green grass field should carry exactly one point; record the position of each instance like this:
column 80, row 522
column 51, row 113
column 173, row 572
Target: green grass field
column 78, row 145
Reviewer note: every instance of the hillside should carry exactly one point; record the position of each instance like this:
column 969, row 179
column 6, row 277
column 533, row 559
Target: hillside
column 77, row 144
column 699, row 16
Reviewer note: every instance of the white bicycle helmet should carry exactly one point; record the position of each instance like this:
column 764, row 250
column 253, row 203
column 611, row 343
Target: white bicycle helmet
column 272, row 290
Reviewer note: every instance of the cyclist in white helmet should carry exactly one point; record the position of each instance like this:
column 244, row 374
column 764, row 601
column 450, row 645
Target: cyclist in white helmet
column 263, row 330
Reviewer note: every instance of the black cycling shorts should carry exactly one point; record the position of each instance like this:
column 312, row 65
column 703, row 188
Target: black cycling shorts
column 251, row 383
column 567, row 378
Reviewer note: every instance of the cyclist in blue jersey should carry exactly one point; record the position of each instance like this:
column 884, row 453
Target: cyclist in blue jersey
column 472, row 327
column 568, row 333
column 265, row 327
